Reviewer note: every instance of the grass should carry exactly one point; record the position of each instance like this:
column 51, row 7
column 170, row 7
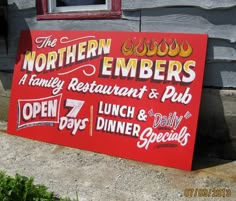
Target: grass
column 21, row 188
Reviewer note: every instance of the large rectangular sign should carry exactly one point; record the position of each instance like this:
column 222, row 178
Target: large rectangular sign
column 132, row 95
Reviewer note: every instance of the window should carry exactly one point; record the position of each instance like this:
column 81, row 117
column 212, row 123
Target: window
column 78, row 9
column 77, row 5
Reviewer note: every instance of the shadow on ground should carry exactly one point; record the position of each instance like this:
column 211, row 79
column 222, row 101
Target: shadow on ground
column 215, row 140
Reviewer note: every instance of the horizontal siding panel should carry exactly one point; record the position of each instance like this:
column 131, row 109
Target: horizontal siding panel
column 3, row 47
column 3, row 63
column 22, row 4
column 206, row 4
column 7, row 63
column 131, row 15
column 191, row 20
column 221, row 74
column 220, row 50
column 96, row 25
column 226, row 32
column 189, row 14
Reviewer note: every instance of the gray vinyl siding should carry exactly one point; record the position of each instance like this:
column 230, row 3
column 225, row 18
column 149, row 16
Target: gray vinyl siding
column 216, row 18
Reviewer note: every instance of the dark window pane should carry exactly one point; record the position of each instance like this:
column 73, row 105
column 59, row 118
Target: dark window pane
column 79, row 2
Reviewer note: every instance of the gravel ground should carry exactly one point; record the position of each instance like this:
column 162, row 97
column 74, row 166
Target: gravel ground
column 99, row 177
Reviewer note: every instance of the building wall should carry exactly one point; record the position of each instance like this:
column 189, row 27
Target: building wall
column 216, row 18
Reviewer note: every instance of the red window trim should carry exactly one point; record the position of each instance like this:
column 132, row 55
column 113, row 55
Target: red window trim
column 42, row 14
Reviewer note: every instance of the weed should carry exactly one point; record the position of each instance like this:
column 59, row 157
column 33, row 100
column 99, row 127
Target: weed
column 21, row 188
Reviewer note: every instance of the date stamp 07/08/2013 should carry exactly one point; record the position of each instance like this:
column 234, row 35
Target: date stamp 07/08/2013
column 207, row 192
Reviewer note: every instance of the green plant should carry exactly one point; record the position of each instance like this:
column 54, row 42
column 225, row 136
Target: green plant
column 21, row 188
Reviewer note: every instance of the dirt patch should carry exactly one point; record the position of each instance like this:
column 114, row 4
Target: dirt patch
column 100, row 177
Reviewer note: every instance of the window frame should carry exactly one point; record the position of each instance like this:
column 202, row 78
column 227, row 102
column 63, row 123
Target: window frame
column 113, row 13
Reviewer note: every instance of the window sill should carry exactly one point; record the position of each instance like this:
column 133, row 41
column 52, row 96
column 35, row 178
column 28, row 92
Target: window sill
column 81, row 15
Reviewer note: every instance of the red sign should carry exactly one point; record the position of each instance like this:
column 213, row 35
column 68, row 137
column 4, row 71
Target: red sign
column 132, row 95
